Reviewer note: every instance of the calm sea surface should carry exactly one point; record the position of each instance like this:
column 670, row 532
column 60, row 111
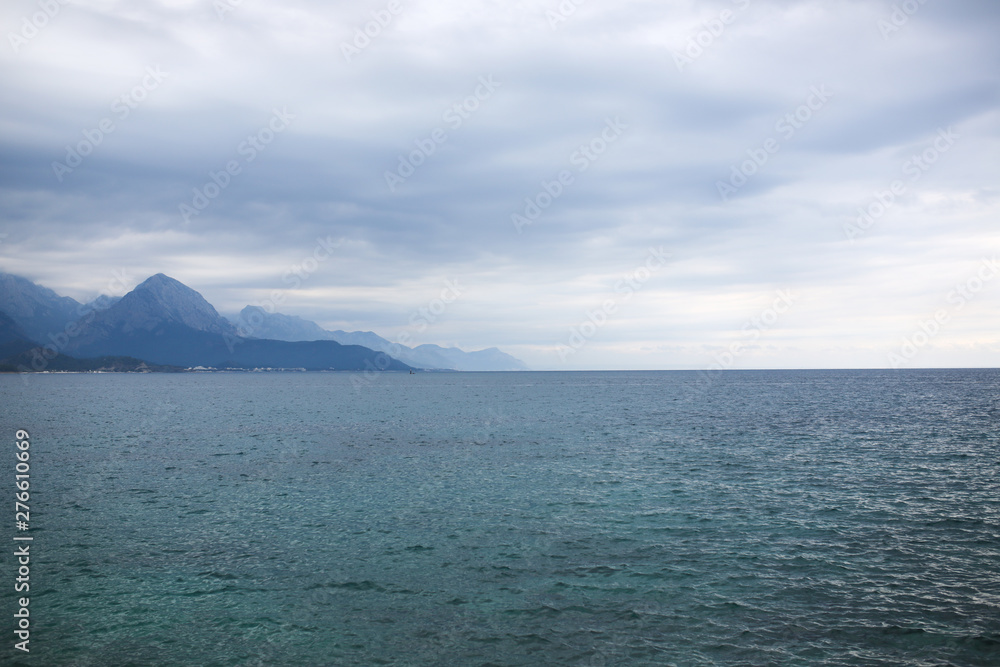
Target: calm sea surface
column 776, row 518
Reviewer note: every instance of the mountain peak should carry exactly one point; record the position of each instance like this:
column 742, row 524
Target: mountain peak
column 161, row 299
column 160, row 281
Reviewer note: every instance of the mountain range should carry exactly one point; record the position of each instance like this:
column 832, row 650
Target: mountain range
column 37, row 310
column 257, row 322
column 163, row 324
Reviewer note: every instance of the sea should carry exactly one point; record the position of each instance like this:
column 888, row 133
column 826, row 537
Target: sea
column 596, row 519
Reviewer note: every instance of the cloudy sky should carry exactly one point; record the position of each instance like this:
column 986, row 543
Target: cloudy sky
column 614, row 185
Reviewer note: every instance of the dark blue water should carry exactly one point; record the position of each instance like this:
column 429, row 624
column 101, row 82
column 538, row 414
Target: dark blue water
column 786, row 518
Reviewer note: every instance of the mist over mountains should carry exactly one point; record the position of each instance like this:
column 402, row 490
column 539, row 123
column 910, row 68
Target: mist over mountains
column 261, row 324
column 163, row 323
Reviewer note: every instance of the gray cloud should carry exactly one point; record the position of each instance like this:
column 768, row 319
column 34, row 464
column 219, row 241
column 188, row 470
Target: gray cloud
column 657, row 185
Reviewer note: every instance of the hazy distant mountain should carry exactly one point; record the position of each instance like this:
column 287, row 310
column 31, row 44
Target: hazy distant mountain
column 256, row 322
column 490, row 359
column 163, row 321
column 37, row 310
column 369, row 339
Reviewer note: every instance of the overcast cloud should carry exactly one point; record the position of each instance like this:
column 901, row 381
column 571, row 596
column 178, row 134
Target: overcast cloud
column 828, row 100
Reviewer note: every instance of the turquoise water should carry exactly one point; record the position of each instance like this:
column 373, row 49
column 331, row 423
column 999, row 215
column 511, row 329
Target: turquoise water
column 786, row 518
